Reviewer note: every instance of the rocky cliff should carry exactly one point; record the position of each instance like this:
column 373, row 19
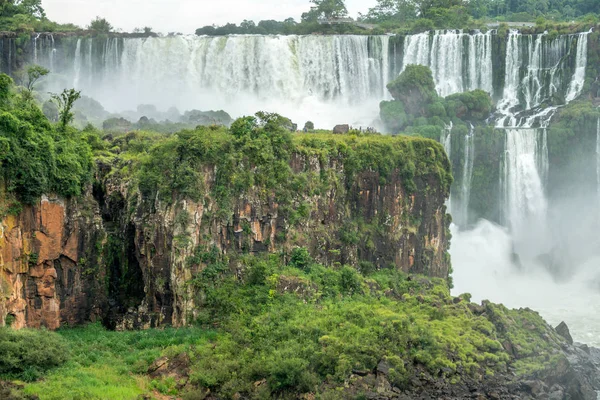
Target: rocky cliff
column 44, row 277
column 126, row 257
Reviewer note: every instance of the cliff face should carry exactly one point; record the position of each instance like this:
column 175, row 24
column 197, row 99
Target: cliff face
column 117, row 256
column 44, row 280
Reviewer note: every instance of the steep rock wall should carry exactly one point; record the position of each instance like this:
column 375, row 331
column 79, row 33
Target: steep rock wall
column 116, row 256
column 48, row 277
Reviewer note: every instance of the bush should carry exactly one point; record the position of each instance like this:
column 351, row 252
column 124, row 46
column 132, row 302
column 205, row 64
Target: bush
column 27, row 354
column 300, row 258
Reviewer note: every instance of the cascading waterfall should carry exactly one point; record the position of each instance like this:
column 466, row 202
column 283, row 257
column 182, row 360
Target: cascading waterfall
column 304, row 77
column 77, row 67
column 446, row 53
column 525, row 198
column 580, row 65
column 469, row 158
column 534, row 72
column 446, row 140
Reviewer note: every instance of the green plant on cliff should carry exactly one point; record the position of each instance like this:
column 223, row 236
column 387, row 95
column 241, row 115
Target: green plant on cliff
column 418, row 110
column 39, row 157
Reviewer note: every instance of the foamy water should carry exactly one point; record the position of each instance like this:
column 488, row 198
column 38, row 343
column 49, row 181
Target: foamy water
column 481, row 258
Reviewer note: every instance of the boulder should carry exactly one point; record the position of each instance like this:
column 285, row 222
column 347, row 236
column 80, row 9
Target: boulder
column 341, row 129
column 563, row 330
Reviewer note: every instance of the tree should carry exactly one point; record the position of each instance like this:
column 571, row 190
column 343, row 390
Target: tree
column 6, row 83
column 398, row 10
column 326, row 9
column 32, row 8
column 427, row 6
column 30, row 75
column 65, row 102
column 100, row 25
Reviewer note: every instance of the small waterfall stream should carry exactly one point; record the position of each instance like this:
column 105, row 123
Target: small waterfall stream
column 467, row 176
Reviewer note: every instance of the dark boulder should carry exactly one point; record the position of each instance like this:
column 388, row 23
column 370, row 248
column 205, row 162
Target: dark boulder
column 341, row 129
column 563, row 330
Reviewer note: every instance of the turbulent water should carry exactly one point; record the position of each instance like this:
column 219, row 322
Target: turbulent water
column 484, row 267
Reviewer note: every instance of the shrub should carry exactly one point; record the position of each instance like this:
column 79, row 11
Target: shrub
column 300, row 258
column 27, row 354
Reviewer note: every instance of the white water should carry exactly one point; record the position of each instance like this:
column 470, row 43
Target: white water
column 526, row 204
column 326, row 79
column 483, row 267
column 467, row 176
column 456, row 67
column 446, row 140
column 580, row 65
column 511, row 264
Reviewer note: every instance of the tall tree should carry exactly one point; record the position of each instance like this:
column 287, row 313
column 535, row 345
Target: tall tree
column 65, row 102
column 398, row 10
column 326, row 9
column 100, row 25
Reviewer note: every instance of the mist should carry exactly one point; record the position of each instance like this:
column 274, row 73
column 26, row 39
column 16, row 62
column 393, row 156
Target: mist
column 549, row 265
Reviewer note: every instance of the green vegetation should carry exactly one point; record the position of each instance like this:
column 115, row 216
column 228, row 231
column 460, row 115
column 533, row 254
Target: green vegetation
column 271, row 329
column 38, row 157
column 27, row 16
column 256, row 152
column 28, row 354
column 100, row 25
column 112, row 365
column 417, row 108
column 414, row 16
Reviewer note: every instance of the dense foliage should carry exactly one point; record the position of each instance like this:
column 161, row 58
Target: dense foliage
column 411, row 16
column 417, row 108
column 27, row 16
column 270, row 329
column 256, row 152
column 27, row 354
column 36, row 156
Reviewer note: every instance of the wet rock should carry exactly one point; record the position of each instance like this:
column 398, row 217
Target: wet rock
column 563, row 330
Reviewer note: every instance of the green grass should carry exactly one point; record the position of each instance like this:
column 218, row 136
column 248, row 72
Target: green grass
column 284, row 330
column 111, row 365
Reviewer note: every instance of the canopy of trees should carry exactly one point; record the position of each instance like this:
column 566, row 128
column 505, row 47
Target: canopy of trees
column 27, row 16
column 514, row 10
column 405, row 16
column 36, row 156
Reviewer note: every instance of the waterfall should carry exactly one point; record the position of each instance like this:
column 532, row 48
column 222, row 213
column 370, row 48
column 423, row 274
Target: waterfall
column 598, row 154
column 446, row 140
column 525, row 198
column 469, row 158
column 35, row 50
column 459, row 61
column 326, row 79
column 580, row 65
column 77, row 67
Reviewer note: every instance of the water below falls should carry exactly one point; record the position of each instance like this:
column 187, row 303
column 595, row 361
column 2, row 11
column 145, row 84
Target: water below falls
column 484, row 267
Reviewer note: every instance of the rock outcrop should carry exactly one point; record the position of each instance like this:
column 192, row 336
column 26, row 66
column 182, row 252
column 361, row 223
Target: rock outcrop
column 44, row 281
column 115, row 256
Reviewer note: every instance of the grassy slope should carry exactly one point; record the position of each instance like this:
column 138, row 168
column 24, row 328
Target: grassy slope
column 308, row 341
